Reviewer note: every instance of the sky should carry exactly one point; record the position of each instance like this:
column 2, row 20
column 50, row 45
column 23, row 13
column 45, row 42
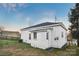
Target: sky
column 15, row 16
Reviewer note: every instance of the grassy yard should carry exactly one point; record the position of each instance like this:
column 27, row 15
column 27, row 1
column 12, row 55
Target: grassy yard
column 14, row 48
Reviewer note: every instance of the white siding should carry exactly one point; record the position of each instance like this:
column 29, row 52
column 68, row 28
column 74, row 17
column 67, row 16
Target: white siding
column 42, row 42
column 25, row 36
column 57, row 32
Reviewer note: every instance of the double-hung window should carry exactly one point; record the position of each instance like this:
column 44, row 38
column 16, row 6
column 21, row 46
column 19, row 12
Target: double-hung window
column 29, row 36
column 35, row 35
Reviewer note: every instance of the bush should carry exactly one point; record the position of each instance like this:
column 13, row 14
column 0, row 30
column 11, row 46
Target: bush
column 20, row 41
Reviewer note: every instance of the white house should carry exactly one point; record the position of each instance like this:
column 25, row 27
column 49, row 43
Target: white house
column 45, row 35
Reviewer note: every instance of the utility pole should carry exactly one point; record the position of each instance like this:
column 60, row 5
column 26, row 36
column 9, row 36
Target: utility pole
column 55, row 19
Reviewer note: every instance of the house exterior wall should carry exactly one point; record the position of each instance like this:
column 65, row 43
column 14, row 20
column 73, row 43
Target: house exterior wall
column 57, row 32
column 42, row 42
column 25, row 36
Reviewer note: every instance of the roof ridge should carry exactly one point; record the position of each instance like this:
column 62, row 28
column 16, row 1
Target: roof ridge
column 43, row 24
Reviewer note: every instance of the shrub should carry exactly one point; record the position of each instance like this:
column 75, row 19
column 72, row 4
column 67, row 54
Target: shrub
column 20, row 40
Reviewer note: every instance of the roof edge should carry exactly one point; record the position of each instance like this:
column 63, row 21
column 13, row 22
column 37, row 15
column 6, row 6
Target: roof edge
column 51, row 23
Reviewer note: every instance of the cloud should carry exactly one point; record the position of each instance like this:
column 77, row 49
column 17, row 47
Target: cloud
column 24, row 5
column 9, row 6
column 46, row 16
column 45, row 19
column 49, row 16
column 23, row 18
column 64, row 20
column 48, row 13
column 28, row 20
column 17, row 26
column 12, row 6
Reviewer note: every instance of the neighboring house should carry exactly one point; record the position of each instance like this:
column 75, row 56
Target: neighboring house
column 10, row 34
column 45, row 35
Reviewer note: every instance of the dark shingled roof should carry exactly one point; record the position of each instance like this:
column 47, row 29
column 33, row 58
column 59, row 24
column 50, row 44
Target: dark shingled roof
column 42, row 24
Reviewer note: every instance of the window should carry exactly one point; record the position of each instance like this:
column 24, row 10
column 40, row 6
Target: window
column 35, row 35
column 29, row 36
column 47, row 36
column 56, row 38
column 62, row 35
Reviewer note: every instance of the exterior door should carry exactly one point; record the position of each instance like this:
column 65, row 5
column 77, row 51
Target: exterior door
column 54, row 40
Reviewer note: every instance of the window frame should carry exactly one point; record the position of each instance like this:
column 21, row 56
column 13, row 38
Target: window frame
column 56, row 38
column 29, row 36
column 35, row 35
column 62, row 35
column 47, row 36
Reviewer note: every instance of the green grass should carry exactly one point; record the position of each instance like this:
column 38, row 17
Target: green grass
column 8, row 43
column 14, row 48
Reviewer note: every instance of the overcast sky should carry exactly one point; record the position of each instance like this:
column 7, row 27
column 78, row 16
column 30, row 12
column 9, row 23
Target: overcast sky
column 17, row 16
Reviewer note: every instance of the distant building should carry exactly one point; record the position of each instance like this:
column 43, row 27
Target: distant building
column 45, row 35
column 9, row 34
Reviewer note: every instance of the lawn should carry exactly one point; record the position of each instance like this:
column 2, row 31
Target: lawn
column 14, row 48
